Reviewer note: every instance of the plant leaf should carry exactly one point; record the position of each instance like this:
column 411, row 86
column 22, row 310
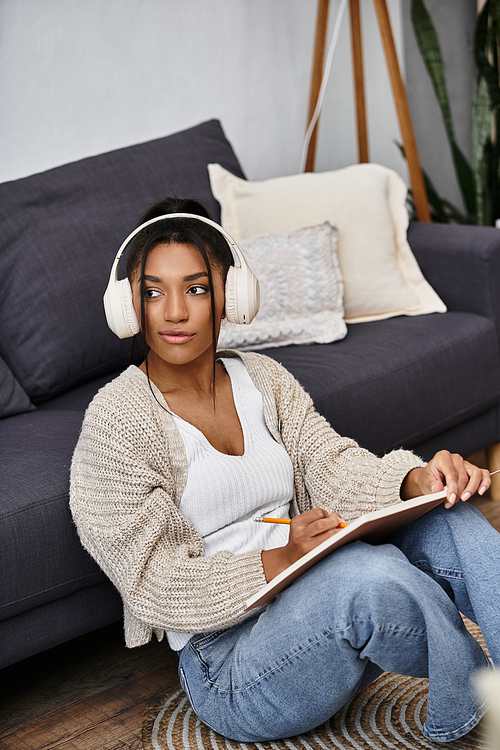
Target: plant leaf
column 441, row 210
column 465, row 178
column 430, row 50
column 428, row 44
column 485, row 40
column 481, row 134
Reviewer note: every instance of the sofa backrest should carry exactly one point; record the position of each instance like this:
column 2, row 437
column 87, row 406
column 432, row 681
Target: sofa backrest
column 59, row 233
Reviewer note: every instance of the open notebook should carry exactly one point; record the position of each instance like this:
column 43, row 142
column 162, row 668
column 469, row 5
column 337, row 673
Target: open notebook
column 371, row 527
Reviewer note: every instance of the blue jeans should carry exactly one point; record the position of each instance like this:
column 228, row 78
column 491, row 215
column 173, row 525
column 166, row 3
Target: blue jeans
column 360, row 611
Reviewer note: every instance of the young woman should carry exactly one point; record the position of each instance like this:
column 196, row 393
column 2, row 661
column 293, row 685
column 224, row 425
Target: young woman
column 175, row 459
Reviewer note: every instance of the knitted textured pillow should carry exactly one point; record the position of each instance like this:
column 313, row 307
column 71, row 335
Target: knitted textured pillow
column 367, row 202
column 300, row 290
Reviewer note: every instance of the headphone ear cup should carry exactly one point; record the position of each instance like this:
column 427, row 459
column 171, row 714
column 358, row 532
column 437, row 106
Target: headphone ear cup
column 230, row 309
column 242, row 295
column 119, row 309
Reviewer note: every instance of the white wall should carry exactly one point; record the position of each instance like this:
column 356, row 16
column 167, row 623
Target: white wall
column 80, row 77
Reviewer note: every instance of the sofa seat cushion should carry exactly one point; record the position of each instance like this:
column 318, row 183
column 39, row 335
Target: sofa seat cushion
column 433, row 359
column 397, row 382
column 41, row 558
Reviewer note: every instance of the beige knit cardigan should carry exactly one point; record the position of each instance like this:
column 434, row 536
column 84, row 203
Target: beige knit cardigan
column 128, row 473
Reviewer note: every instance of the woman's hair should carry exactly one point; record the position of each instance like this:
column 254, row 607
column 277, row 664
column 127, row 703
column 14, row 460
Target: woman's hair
column 211, row 245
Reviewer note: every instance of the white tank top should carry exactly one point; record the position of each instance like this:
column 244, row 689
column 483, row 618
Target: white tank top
column 223, row 493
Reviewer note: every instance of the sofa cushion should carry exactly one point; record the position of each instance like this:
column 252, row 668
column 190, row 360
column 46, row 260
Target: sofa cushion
column 13, row 400
column 301, row 291
column 41, row 558
column 367, row 202
column 397, row 382
column 60, row 231
column 78, row 398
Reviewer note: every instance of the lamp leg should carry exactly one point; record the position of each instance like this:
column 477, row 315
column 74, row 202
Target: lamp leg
column 359, row 82
column 317, row 73
column 403, row 110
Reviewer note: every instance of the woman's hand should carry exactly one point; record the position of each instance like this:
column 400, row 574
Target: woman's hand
column 462, row 479
column 306, row 531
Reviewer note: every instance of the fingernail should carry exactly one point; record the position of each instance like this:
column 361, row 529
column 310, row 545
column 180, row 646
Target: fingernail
column 481, row 491
column 452, row 497
column 466, row 496
column 435, row 487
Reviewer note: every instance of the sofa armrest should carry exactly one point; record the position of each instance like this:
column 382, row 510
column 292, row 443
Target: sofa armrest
column 462, row 263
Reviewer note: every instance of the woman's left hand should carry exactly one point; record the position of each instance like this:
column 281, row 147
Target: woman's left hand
column 461, row 478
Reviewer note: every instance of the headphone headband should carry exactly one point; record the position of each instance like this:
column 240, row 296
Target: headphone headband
column 242, row 287
column 235, row 250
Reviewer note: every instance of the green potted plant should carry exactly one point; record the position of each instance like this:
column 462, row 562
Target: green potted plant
column 479, row 182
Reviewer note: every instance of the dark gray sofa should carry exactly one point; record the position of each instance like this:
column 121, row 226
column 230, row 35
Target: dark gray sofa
column 424, row 383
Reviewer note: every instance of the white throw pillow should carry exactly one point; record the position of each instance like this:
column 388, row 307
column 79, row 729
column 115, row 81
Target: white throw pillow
column 300, row 291
column 367, row 202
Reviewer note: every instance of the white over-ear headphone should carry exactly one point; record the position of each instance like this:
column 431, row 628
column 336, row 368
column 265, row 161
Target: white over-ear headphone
column 242, row 287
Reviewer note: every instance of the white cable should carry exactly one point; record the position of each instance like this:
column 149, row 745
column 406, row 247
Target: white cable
column 324, row 82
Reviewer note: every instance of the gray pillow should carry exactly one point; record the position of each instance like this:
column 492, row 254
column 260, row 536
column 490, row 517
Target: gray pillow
column 60, row 231
column 301, row 291
column 13, row 400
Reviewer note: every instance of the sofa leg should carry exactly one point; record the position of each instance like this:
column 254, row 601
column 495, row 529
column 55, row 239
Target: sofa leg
column 493, row 459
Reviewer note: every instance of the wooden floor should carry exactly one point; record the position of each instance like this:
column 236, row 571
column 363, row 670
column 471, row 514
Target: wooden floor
column 88, row 694
column 92, row 693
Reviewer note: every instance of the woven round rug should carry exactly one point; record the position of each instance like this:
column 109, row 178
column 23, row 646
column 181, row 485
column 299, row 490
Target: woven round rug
column 388, row 714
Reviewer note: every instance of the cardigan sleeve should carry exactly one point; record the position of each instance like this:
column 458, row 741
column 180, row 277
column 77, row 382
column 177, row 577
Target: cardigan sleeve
column 123, row 502
column 341, row 476
column 331, row 471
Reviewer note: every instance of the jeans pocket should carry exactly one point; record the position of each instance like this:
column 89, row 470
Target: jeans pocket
column 209, row 651
column 199, row 642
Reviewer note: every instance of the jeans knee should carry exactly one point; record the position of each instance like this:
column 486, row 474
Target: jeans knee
column 441, row 534
column 363, row 564
column 382, row 579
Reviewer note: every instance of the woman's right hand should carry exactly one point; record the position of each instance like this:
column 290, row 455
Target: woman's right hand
column 306, row 531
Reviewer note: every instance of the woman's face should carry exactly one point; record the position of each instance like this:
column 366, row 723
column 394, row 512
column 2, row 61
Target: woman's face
column 178, row 305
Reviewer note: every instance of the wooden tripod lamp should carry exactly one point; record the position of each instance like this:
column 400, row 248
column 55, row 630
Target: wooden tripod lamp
column 398, row 91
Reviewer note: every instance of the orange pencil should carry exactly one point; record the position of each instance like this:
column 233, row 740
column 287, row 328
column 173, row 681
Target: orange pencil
column 266, row 519
column 287, row 520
